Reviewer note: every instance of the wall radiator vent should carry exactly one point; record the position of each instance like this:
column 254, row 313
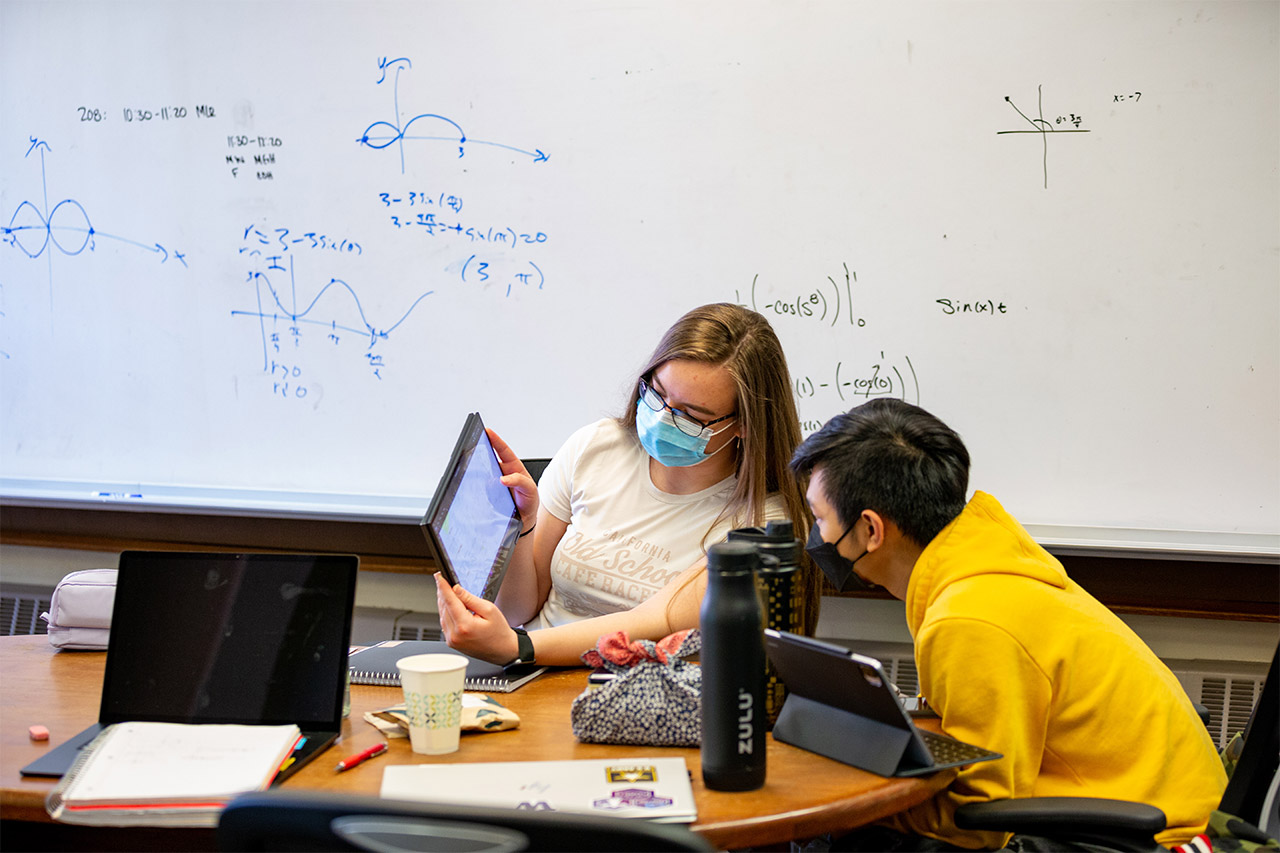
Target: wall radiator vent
column 1229, row 697
column 902, row 672
column 416, row 626
column 20, row 614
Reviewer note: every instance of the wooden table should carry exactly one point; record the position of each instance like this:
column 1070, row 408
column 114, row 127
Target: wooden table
column 804, row 794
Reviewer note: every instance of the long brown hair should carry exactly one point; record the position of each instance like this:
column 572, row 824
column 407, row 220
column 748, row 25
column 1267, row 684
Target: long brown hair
column 742, row 341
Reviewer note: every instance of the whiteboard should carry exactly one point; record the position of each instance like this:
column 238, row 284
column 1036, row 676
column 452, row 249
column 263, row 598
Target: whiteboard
column 263, row 257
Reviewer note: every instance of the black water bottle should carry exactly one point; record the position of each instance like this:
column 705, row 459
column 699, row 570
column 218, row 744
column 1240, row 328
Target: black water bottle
column 733, row 674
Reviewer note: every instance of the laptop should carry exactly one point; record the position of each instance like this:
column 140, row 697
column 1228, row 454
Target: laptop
column 225, row 638
column 472, row 522
column 843, row 705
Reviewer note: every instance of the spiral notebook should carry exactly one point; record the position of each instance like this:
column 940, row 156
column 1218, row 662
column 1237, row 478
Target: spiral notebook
column 169, row 774
column 377, row 665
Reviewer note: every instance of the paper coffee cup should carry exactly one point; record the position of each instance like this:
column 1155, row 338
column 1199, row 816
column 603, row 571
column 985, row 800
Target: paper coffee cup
column 433, row 700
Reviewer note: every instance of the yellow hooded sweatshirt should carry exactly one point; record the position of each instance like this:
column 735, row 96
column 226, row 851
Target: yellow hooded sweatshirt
column 1016, row 657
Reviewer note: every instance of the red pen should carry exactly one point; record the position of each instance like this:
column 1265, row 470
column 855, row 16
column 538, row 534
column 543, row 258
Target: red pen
column 360, row 757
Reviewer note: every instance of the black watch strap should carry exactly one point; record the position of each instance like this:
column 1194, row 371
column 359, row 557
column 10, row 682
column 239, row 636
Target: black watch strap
column 524, row 647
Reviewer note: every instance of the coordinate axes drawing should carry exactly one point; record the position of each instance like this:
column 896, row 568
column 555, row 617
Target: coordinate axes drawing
column 35, row 229
column 435, row 128
column 282, row 313
column 1068, row 123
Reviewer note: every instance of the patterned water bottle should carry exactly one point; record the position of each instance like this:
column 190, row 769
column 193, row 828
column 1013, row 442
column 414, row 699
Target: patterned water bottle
column 780, row 593
column 733, row 676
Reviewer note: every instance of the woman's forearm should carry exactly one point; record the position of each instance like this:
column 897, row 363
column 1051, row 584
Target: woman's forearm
column 526, row 585
column 673, row 608
column 517, row 597
column 564, row 644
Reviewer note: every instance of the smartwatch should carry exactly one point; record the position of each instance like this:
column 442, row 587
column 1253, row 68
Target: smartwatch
column 524, row 648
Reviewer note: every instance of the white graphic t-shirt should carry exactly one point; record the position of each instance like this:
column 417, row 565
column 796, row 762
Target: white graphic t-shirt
column 626, row 538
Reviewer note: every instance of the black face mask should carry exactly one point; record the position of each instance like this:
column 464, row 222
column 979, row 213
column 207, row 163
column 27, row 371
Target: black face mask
column 837, row 567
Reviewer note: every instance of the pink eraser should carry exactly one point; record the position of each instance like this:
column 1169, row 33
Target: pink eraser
column 38, row 733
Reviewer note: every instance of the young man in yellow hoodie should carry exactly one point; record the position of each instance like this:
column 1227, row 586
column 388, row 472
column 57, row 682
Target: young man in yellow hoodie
column 1012, row 654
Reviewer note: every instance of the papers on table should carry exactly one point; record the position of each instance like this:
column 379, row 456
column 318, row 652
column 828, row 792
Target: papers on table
column 653, row 788
column 168, row 774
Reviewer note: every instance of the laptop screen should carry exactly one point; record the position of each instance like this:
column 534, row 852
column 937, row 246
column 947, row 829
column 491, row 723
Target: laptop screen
column 229, row 638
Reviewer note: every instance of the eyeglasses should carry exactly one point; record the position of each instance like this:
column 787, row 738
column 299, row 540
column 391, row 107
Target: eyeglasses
column 685, row 422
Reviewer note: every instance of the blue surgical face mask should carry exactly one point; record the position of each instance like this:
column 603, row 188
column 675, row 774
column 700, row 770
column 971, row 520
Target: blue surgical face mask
column 667, row 444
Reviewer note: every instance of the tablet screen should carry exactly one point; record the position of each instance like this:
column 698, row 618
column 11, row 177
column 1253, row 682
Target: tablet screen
column 472, row 525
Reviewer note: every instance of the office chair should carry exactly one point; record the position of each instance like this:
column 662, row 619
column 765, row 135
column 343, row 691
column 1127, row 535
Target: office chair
column 283, row 820
column 535, row 467
column 1251, row 795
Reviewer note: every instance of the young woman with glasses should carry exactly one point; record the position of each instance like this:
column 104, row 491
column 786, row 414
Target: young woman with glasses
column 616, row 530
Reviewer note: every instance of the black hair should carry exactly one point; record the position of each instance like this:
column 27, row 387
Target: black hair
column 893, row 458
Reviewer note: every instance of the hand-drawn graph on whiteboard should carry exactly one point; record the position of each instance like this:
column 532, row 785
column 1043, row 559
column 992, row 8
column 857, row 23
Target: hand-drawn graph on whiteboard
column 40, row 229
column 1063, row 123
column 423, row 127
column 36, row 228
column 329, row 315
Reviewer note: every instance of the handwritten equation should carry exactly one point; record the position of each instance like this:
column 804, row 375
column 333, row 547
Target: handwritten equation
column 1066, row 123
column 417, row 198
column 273, row 242
column 852, row 384
column 437, row 215
column 432, row 127
column 842, row 385
column 980, row 306
column 502, row 234
column 821, row 304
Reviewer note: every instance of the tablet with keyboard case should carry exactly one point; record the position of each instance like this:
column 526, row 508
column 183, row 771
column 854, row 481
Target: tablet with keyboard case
column 842, row 705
